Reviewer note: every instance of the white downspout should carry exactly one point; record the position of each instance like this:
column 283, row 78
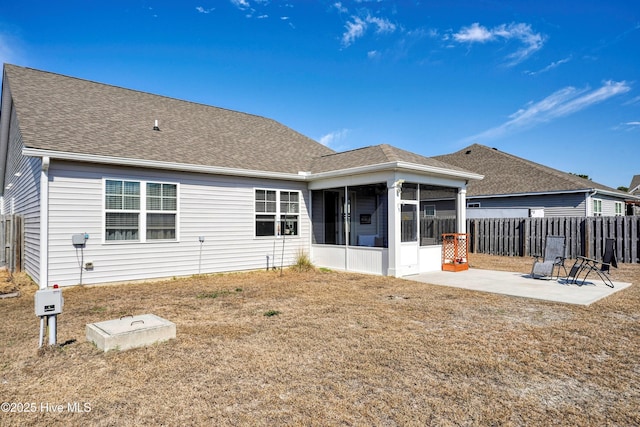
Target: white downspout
column 589, row 202
column 310, row 217
column 44, row 223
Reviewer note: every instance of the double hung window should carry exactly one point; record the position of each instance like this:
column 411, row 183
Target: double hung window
column 597, row 207
column 138, row 211
column 277, row 212
column 619, row 208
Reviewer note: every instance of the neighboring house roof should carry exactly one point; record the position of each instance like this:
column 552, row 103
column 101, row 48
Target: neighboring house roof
column 66, row 114
column 634, row 188
column 508, row 175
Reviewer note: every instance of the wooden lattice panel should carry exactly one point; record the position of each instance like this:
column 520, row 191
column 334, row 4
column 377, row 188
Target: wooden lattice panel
column 455, row 247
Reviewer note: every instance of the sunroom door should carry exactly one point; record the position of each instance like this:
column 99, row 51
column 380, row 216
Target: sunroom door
column 409, row 246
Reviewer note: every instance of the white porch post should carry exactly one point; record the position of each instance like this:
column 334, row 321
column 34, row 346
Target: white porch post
column 393, row 207
column 461, row 211
column 346, row 222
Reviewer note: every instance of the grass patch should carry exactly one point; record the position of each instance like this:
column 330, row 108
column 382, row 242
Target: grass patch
column 271, row 313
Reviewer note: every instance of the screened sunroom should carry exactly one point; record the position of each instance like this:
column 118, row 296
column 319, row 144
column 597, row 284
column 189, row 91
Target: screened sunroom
column 384, row 228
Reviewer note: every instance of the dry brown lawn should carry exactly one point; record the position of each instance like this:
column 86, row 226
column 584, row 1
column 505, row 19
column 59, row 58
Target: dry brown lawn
column 339, row 349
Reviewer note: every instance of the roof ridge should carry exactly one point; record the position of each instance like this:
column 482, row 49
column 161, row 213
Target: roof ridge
column 348, row 151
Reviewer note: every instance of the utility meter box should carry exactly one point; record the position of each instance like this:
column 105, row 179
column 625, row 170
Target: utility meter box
column 49, row 302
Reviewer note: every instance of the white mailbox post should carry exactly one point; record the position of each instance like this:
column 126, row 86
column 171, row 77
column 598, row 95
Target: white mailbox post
column 48, row 304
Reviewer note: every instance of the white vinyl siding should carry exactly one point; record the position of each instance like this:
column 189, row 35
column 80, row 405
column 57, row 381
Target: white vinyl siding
column 22, row 197
column 219, row 208
column 611, row 206
column 555, row 205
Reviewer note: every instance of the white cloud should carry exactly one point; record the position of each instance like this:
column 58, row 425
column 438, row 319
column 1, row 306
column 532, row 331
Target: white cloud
column 201, row 9
column 633, row 101
column 382, row 25
column 357, row 27
column 476, row 33
column 355, row 30
column 241, row 4
column 561, row 103
column 332, row 138
column 628, row 126
column 550, row 66
column 340, row 7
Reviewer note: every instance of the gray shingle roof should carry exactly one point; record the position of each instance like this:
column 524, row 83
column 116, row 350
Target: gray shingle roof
column 508, row 174
column 377, row 154
column 67, row 114
column 634, row 188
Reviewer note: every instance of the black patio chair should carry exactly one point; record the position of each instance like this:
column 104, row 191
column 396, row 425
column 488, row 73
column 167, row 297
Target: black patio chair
column 601, row 268
column 554, row 256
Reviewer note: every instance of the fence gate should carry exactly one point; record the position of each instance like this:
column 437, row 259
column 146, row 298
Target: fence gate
column 11, row 239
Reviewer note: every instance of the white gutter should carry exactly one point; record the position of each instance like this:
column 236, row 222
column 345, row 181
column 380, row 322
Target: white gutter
column 394, row 166
column 592, row 192
column 300, row 176
column 156, row 164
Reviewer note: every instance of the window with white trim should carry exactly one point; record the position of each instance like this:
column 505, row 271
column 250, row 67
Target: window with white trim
column 129, row 220
column 162, row 205
column 429, row 210
column 619, row 206
column 277, row 212
column 597, row 207
column 473, row 204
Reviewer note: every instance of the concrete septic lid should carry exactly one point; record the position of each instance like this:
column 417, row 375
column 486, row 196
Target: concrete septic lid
column 130, row 332
column 127, row 324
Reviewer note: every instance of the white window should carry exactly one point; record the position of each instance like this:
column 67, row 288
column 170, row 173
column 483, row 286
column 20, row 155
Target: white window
column 597, row 207
column 473, row 204
column 122, row 210
column 129, row 220
column 429, row 210
column 277, row 212
column 619, row 209
column 162, row 209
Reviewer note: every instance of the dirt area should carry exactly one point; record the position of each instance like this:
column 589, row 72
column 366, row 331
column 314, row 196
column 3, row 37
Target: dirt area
column 328, row 348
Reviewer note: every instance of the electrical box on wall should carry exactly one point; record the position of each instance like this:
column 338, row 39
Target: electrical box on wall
column 48, row 302
column 79, row 240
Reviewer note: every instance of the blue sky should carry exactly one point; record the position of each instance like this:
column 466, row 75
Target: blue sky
column 554, row 82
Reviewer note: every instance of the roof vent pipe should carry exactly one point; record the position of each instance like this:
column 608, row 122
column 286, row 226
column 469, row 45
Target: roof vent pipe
column 155, row 126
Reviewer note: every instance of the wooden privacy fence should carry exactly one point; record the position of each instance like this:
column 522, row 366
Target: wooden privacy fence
column 584, row 236
column 11, row 238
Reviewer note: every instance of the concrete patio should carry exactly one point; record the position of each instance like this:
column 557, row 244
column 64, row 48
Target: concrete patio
column 522, row 285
